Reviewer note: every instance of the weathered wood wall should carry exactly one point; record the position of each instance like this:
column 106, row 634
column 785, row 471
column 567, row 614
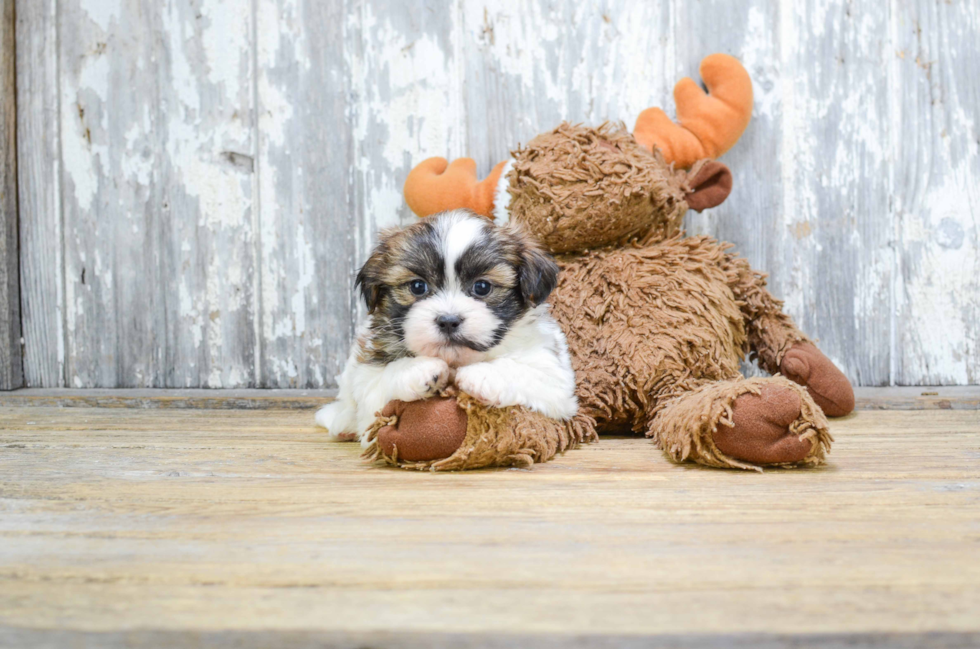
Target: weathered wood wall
column 11, row 363
column 199, row 179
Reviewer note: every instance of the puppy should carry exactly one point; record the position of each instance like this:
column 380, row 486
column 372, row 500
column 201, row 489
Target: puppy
column 454, row 298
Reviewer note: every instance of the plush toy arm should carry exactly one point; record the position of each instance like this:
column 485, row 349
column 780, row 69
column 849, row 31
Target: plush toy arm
column 771, row 333
column 780, row 347
column 435, row 185
column 710, row 124
column 457, row 432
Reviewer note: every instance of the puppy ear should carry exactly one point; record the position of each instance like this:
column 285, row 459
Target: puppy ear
column 370, row 277
column 537, row 275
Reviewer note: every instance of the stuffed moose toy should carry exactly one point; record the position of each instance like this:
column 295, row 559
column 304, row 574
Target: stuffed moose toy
column 657, row 323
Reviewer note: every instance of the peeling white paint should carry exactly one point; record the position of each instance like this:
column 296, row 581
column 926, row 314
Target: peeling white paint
column 103, row 12
column 410, row 103
column 945, row 284
column 83, row 149
column 304, row 268
column 226, row 23
column 864, row 127
column 190, row 314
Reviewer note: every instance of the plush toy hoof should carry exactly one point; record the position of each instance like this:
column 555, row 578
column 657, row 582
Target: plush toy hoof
column 761, row 434
column 806, row 365
column 426, row 430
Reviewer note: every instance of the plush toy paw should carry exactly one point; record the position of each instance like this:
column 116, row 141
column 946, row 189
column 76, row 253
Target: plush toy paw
column 431, row 429
column 806, row 365
column 451, row 433
column 761, row 432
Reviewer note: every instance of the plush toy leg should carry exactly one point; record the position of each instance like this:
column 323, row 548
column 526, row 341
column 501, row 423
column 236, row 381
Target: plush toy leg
column 782, row 348
column 454, row 433
column 743, row 424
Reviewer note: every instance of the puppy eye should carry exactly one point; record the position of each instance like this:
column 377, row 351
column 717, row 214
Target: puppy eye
column 482, row 288
column 418, row 287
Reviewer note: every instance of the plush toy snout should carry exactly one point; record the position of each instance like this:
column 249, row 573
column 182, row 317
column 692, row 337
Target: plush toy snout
column 711, row 183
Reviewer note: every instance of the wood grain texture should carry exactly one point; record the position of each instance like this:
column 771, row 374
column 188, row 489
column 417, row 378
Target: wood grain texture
column 39, row 194
column 157, row 151
column 199, row 521
column 11, row 363
column 309, row 229
column 866, row 398
column 527, row 69
column 810, row 204
column 407, row 87
column 193, row 398
column 257, row 148
column 837, row 268
column 937, row 191
column 918, row 398
column 496, row 639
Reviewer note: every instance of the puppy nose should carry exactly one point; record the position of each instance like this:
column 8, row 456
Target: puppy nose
column 448, row 323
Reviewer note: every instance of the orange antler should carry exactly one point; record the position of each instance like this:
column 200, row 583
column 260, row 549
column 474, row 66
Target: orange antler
column 431, row 187
column 710, row 124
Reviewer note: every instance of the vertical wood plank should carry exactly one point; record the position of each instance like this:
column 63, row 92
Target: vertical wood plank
column 753, row 216
column 11, row 363
column 936, row 62
column 39, row 194
column 406, row 88
column 309, row 231
column 530, row 64
column 836, row 267
column 157, row 145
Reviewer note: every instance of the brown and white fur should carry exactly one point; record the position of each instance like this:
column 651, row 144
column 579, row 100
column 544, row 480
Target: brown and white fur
column 454, row 298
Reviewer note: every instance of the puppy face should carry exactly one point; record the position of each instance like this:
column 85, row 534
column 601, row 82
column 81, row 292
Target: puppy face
column 451, row 286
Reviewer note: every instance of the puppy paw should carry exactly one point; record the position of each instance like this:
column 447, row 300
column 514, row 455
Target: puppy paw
column 481, row 383
column 337, row 419
column 424, row 379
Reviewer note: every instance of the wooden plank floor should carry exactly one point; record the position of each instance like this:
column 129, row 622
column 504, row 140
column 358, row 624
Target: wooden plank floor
column 169, row 527
column 945, row 397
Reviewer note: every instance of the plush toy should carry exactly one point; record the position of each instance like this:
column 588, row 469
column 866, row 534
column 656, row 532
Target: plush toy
column 657, row 322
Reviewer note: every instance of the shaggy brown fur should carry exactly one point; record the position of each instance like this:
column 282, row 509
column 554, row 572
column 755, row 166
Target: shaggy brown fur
column 771, row 333
column 647, row 323
column 685, row 427
column 577, row 188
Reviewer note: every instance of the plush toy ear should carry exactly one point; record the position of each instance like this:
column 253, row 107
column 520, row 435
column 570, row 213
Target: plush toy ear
column 538, row 275
column 711, row 183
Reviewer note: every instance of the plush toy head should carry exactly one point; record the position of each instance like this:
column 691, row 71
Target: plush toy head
column 580, row 187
